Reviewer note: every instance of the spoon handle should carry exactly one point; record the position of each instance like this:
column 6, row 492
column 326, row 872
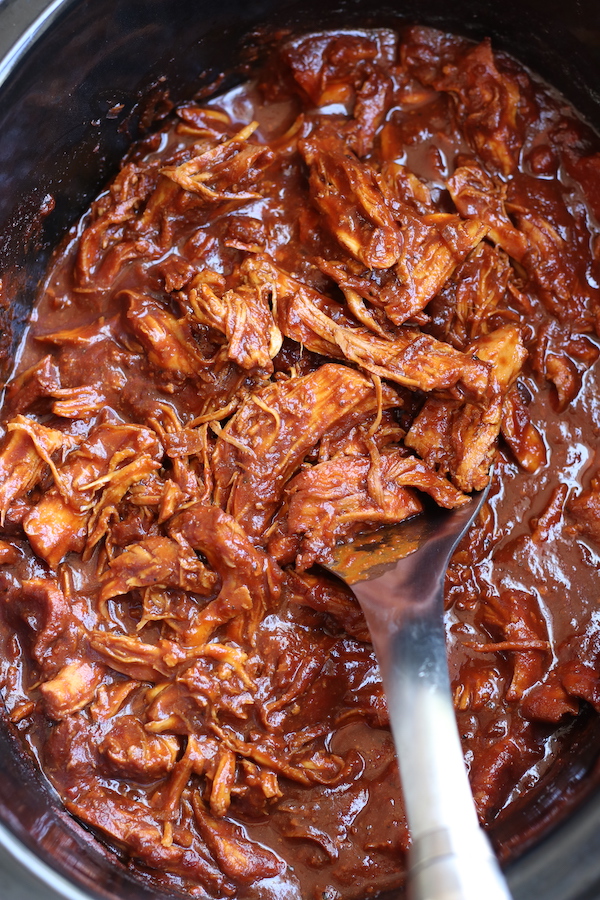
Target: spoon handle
column 450, row 858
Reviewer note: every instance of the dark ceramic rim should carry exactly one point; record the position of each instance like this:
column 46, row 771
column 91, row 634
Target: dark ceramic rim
column 21, row 25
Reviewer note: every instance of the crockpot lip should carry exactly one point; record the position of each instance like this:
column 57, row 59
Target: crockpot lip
column 21, row 26
column 41, row 870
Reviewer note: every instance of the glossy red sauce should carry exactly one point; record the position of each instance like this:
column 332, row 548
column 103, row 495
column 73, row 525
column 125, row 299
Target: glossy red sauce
column 259, row 341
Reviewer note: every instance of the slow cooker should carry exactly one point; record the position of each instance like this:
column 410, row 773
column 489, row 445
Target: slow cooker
column 79, row 79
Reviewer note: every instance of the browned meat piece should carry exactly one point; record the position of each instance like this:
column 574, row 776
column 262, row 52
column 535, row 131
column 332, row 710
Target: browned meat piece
column 168, row 342
column 97, row 461
column 580, row 679
column 564, row 375
column 102, row 249
column 549, row 701
column 216, row 765
column 475, row 295
column 9, row 554
column 223, row 782
column 404, row 191
column 346, row 193
column 156, row 561
column 585, row 509
column 500, row 763
column 585, row 169
column 547, row 254
column 426, row 52
column 348, row 493
column 562, row 358
column 58, row 523
column 244, row 317
column 523, row 438
column 287, row 756
column 26, row 452
column 381, row 430
column 552, row 262
column 132, row 824
column 132, row 657
column 433, row 247
column 110, row 698
column 241, row 859
column 222, row 172
column 351, row 69
column 459, row 439
column 411, row 358
column 36, row 382
column 79, row 403
column 579, row 667
column 54, row 528
column 478, row 686
column 332, row 502
column 477, row 195
column 488, row 107
column 329, row 66
column 330, row 597
column 251, row 581
column 42, row 605
column 515, row 621
column 135, row 755
column 267, row 439
column 72, row 689
column 548, row 524
column 220, row 685
column 129, row 481
column 373, row 99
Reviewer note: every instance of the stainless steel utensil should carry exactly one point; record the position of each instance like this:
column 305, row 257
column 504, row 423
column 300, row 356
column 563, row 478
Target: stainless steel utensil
column 398, row 578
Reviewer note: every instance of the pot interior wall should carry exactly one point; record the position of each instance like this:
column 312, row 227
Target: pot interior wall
column 97, row 74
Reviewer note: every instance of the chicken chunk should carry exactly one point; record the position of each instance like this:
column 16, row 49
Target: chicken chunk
column 585, row 509
column 266, row 441
column 346, row 193
column 411, row 358
column 72, row 689
column 515, row 621
column 241, row 859
column 58, row 523
column 348, row 493
column 458, row 438
column 134, row 754
column 244, row 317
column 43, row 606
column 251, row 580
column 221, row 172
column 156, row 561
column 472, row 301
column 476, row 194
column 26, row 452
column 488, row 107
column 329, row 67
column 169, row 342
column 132, row 824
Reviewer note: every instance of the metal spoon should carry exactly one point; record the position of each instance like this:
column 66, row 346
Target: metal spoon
column 398, row 578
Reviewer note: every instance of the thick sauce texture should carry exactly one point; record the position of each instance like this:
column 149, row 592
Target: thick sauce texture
column 297, row 310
